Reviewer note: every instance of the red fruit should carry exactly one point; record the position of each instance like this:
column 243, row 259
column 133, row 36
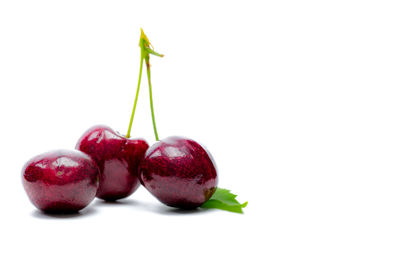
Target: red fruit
column 60, row 181
column 179, row 172
column 117, row 158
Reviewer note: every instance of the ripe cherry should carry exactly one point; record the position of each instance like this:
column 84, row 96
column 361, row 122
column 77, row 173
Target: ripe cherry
column 62, row 181
column 177, row 171
column 118, row 159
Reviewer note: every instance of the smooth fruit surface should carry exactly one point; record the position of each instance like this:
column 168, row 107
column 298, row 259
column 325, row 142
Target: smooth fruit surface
column 179, row 172
column 60, row 181
column 117, row 158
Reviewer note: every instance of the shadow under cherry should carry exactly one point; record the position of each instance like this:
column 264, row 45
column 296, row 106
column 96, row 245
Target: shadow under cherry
column 89, row 211
column 159, row 208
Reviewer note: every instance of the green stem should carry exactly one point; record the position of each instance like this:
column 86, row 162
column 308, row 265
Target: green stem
column 128, row 134
column 151, row 98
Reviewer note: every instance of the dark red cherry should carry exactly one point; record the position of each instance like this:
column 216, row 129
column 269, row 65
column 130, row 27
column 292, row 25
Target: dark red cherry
column 61, row 181
column 179, row 172
column 117, row 158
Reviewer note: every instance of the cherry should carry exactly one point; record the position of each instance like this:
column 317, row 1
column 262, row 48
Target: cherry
column 118, row 159
column 177, row 171
column 62, row 181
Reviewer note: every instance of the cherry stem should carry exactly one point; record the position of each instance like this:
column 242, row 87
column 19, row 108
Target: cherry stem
column 128, row 134
column 151, row 98
column 146, row 51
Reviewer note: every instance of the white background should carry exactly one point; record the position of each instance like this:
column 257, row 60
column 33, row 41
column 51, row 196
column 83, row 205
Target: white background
column 297, row 100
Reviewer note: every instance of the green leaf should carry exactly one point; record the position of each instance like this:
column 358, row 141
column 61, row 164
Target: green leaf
column 223, row 199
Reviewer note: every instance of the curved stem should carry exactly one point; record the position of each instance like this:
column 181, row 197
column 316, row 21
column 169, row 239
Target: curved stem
column 151, row 99
column 128, row 134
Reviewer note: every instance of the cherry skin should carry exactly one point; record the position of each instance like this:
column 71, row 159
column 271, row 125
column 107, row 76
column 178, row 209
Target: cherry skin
column 179, row 172
column 62, row 181
column 117, row 158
